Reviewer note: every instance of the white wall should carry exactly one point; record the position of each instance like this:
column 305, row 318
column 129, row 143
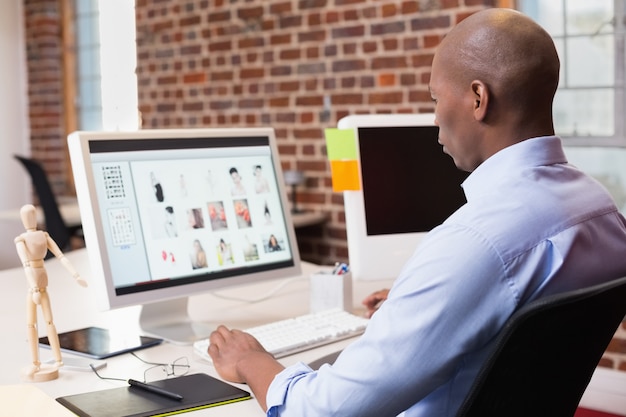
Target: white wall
column 14, row 131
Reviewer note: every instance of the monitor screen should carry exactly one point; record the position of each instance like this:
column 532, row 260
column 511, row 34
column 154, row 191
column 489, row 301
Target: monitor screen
column 408, row 187
column 170, row 213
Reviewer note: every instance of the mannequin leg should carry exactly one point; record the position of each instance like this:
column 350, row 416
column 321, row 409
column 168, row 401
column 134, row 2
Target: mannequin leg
column 31, row 329
column 51, row 330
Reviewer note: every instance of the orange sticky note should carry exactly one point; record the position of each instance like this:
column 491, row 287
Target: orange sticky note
column 345, row 175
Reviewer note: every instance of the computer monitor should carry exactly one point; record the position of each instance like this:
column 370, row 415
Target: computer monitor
column 168, row 214
column 408, row 186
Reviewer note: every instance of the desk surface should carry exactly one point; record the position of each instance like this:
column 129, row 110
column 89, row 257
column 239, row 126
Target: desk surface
column 73, row 308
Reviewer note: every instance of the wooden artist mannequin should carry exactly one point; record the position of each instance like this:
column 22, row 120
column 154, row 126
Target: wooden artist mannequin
column 32, row 247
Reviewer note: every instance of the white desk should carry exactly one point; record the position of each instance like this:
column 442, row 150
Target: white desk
column 74, row 308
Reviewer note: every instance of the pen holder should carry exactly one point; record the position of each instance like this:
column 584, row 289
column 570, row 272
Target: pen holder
column 330, row 291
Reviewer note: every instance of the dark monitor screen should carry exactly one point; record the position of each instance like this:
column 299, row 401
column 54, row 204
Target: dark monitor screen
column 409, row 184
column 408, row 187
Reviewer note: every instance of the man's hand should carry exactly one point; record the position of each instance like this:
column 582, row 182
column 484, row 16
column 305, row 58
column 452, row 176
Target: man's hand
column 239, row 357
column 229, row 348
column 373, row 301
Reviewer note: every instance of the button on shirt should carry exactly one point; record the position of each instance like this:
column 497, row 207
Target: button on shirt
column 533, row 225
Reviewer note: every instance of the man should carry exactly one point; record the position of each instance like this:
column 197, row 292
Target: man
column 533, row 225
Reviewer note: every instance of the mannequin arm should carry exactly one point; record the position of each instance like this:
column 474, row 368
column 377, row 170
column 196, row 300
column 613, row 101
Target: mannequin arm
column 56, row 251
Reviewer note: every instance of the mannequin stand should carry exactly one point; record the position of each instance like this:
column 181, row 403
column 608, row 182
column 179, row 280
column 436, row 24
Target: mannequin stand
column 45, row 373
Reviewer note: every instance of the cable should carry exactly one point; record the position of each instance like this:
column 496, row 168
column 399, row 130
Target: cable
column 267, row 296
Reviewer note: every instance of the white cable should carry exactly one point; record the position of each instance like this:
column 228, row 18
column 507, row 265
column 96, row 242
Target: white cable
column 267, row 296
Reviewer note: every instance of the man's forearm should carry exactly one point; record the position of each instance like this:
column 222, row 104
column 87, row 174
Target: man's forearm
column 258, row 370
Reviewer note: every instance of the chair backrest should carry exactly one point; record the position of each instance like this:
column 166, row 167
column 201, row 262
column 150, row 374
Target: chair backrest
column 55, row 225
column 545, row 355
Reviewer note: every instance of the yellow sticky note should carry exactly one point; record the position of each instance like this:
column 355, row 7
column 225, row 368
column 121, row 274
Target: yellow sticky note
column 345, row 175
column 340, row 144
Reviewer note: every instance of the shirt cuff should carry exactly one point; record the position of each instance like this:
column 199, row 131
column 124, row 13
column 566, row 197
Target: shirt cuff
column 277, row 391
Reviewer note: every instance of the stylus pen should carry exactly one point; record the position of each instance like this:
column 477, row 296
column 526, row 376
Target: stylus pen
column 155, row 389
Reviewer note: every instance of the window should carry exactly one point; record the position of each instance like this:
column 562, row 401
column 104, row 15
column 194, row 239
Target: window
column 106, row 62
column 589, row 36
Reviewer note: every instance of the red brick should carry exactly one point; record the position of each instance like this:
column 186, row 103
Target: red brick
column 314, row 19
column 310, row 101
column 279, row 102
column 197, row 106
column 189, row 21
column 220, row 46
column 389, row 10
column 254, row 42
column 312, row 36
column 434, row 22
column 286, row 22
column 348, row 32
column 290, row 54
column 221, row 16
column 199, row 77
column 250, row 13
column 349, row 65
column 385, row 98
column 386, row 80
column 252, row 73
column 312, row 4
column 390, row 62
column 345, row 98
column 289, row 86
column 280, row 39
column 281, row 8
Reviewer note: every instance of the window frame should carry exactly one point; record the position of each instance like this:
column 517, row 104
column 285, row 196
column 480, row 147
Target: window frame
column 618, row 139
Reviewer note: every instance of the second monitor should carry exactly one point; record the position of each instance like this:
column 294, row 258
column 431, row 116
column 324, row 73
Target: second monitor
column 408, row 186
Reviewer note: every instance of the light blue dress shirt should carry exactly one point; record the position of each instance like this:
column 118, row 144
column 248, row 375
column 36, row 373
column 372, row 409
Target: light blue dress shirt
column 533, row 225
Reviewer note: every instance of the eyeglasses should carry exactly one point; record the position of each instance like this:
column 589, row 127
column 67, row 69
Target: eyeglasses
column 157, row 371
column 179, row 367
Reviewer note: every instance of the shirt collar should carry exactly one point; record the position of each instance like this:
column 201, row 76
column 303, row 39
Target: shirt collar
column 534, row 152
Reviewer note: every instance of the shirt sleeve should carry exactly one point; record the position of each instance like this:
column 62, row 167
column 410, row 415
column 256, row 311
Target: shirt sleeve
column 450, row 299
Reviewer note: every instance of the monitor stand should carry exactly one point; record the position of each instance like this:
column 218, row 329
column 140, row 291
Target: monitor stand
column 170, row 321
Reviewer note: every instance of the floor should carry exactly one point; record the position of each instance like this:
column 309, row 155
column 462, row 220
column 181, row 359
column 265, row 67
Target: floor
column 582, row 412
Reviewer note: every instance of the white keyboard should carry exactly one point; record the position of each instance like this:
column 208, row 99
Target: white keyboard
column 289, row 336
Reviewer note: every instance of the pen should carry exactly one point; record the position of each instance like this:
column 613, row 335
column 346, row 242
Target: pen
column 340, row 268
column 155, row 390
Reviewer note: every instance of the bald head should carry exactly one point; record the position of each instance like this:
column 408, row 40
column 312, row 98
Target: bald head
column 509, row 52
column 493, row 80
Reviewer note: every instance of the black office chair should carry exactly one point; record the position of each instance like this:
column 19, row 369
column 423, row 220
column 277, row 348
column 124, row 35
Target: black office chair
column 546, row 354
column 54, row 223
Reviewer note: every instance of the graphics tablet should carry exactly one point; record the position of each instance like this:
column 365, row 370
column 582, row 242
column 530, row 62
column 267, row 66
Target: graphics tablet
column 99, row 343
column 199, row 391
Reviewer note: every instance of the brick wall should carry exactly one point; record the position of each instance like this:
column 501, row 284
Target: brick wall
column 296, row 65
column 44, row 54
column 227, row 63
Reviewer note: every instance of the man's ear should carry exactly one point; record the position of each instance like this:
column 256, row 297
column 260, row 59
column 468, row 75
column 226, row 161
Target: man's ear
column 481, row 99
